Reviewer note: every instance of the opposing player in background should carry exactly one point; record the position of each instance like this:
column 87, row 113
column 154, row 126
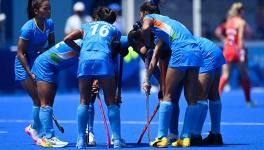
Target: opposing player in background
column 235, row 51
column 96, row 62
column 33, row 35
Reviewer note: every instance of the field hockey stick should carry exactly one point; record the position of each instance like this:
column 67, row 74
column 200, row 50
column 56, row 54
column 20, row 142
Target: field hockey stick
column 147, row 115
column 105, row 122
column 61, row 129
column 148, row 123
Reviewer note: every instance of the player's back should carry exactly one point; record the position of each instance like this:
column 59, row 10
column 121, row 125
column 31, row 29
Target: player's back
column 61, row 55
column 170, row 30
column 98, row 35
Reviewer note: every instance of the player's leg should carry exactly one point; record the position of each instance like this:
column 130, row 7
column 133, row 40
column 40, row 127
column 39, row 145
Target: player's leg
column 85, row 87
column 173, row 78
column 215, row 108
column 204, row 85
column 46, row 94
column 245, row 82
column 190, row 87
column 225, row 76
column 108, row 85
column 90, row 125
column 33, row 130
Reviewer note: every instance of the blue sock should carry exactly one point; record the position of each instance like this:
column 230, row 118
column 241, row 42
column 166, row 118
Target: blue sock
column 174, row 119
column 91, row 117
column 114, row 119
column 189, row 120
column 45, row 116
column 215, row 108
column 165, row 112
column 36, row 121
column 82, row 119
column 198, row 126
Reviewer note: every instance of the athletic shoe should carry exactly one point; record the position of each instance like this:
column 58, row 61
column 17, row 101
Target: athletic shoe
column 81, row 144
column 172, row 138
column 186, row 142
column 196, row 140
column 213, row 139
column 120, row 143
column 251, row 104
column 53, row 142
column 90, row 139
column 33, row 133
column 160, row 142
column 112, row 140
column 42, row 142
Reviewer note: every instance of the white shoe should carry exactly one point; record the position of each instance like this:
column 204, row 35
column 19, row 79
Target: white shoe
column 53, row 142
column 251, row 104
column 33, row 133
column 90, row 139
column 120, row 143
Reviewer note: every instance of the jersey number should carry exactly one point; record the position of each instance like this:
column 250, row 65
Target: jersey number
column 103, row 30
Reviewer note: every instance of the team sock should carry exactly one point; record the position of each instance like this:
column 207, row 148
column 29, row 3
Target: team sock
column 165, row 112
column 82, row 119
column 198, row 126
column 45, row 116
column 36, row 121
column 190, row 118
column 174, row 119
column 114, row 119
column 215, row 108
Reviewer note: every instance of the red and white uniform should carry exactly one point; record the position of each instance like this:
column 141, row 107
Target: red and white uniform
column 231, row 47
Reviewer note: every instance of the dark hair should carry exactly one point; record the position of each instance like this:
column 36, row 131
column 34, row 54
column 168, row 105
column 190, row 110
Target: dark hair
column 105, row 14
column 150, row 7
column 33, row 4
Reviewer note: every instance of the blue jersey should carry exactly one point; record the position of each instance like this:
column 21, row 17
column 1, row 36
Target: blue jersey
column 170, row 31
column 48, row 65
column 36, row 37
column 97, row 36
column 61, row 56
column 96, row 53
column 185, row 51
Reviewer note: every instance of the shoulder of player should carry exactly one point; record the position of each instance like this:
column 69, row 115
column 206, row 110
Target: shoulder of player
column 29, row 25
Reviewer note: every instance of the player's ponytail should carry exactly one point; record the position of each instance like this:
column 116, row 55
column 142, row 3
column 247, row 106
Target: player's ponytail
column 236, row 9
column 32, row 5
column 105, row 14
column 150, row 7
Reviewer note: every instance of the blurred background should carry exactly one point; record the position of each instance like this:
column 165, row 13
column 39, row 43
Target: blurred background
column 200, row 16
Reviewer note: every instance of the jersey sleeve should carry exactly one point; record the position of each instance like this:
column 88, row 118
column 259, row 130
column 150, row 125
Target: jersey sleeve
column 50, row 24
column 26, row 32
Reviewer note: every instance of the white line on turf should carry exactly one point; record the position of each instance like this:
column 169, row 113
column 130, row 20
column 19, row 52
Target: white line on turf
column 3, row 132
column 136, row 122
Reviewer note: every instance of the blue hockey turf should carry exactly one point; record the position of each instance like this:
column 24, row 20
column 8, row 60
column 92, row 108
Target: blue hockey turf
column 242, row 127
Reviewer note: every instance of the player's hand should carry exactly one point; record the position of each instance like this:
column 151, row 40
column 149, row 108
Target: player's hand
column 95, row 87
column 147, row 87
